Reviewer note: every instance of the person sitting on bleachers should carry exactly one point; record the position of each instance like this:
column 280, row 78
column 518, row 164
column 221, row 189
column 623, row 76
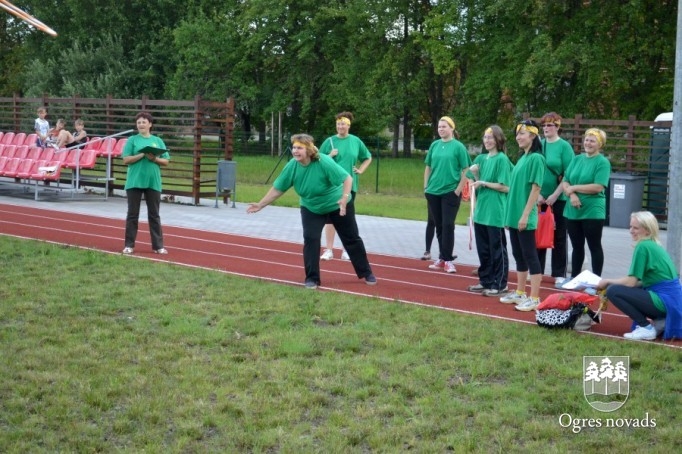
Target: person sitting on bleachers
column 78, row 137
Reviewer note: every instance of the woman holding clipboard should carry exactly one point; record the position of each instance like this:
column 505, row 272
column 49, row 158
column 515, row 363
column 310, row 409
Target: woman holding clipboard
column 144, row 154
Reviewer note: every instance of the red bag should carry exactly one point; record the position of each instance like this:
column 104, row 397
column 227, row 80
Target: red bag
column 544, row 234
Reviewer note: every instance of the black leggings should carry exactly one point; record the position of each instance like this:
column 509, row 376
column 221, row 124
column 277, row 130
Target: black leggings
column 635, row 302
column 524, row 251
column 589, row 230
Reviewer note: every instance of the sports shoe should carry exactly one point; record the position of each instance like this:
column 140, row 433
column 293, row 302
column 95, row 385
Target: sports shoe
column 450, row 267
column 513, row 298
column 478, row 288
column 370, row 280
column 162, row 251
column 426, row 256
column 647, row 333
column 310, row 284
column 344, row 255
column 659, row 326
column 527, row 305
column 437, row 265
column 127, row 250
column 559, row 282
column 490, row 292
column 328, row 254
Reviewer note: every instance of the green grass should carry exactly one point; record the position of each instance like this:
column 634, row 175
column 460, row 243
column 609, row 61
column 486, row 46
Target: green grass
column 108, row 353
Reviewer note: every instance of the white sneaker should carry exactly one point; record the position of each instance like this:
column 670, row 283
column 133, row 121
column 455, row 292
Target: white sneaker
column 647, row 333
column 659, row 325
column 328, row 254
column 512, row 298
column 527, row 305
column 344, row 255
column 450, row 267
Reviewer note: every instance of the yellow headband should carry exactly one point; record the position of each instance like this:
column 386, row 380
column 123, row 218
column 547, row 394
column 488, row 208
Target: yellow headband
column 344, row 120
column 488, row 131
column 299, row 144
column 529, row 128
column 599, row 134
column 449, row 121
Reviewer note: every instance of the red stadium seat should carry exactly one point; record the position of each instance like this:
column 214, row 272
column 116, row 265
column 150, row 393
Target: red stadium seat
column 34, row 152
column 107, row 146
column 8, row 138
column 31, row 139
column 21, row 151
column 50, row 172
column 9, row 150
column 28, row 167
column 11, row 167
column 19, row 138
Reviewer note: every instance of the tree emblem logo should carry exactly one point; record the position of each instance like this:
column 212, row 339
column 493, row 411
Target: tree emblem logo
column 606, row 381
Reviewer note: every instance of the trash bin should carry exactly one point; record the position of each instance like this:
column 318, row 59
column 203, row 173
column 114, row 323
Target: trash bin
column 659, row 163
column 625, row 196
column 226, row 181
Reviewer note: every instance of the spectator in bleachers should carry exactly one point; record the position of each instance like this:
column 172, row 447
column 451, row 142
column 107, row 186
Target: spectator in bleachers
column 53, row 135
column 41, row 127
column 68, row 139
column 144, row 178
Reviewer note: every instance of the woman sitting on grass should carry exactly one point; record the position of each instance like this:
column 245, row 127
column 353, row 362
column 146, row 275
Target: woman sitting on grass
column 650, row 294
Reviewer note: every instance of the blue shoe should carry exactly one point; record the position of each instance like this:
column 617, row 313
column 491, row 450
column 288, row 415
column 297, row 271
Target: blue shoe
column 371, row 280
column 310, row 284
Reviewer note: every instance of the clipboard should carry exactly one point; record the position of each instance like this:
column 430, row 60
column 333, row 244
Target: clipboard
column 153, row 150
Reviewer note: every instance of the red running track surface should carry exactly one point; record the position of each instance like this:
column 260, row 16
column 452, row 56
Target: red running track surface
column 399, row 279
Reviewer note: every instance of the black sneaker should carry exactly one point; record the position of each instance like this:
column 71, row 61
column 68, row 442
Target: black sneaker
column 371, row 280
column 310, row 284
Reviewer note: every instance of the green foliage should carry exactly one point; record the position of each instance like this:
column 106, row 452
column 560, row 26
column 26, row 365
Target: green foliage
column 388, row 61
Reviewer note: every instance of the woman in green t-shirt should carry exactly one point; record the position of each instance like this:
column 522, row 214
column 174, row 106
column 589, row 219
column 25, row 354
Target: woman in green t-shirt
column 521, row 217
column 650, row 294
column 558, row 154
column 347, row 150
column 447, row 163
column 492, row 173
column 584, row 184
column 324, row 189
column 144, row 178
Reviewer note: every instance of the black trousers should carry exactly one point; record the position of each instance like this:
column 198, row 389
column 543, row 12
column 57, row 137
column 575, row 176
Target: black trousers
column 580, row 231
column 153, row 201
column 444, row 210
column 635, row 302
column 491, row 245
column 347, row 230
column 560, row 251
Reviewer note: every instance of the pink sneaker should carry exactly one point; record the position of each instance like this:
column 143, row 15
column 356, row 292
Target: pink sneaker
column 450, row 267
column 437, row 265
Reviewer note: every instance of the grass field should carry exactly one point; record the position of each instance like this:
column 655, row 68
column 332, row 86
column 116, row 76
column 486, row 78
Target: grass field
column 101, row 354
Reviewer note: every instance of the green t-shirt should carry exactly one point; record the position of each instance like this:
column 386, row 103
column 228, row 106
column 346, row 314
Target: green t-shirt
column 319, row 184
column 351, row 150
column 143, row 174
column 529, row 170
column 586, row 170
column 558, row 156
column 446, row 160
column 651, row 264
column 490, row 203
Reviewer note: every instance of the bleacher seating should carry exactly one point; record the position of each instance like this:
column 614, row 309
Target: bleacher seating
column 22, row 162
column 19, row 138
column 7, row 138
column 31, row 139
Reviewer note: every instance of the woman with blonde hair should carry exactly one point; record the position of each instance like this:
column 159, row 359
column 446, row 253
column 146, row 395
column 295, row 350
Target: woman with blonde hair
column 324, row 188
column 350, row 153
column 584, row 183
column 650, row 294
column 447, row 163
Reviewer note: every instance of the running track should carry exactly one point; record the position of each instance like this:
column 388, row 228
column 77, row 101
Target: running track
column 399, row 279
